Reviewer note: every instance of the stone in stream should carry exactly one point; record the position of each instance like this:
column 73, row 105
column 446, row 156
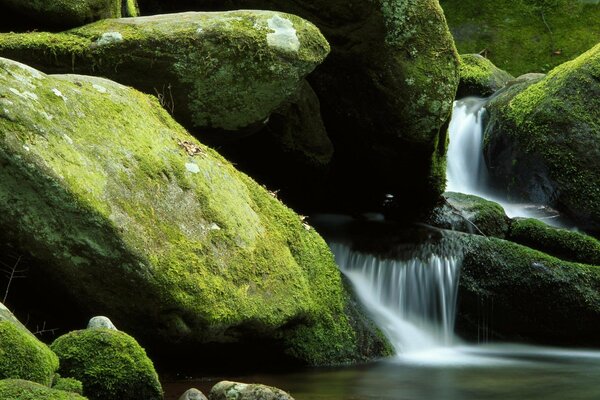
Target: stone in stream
column 227, row 390
column 123, row 211
column 101, row 322
column 479, row 77
column 193, row 394
column 542, row 142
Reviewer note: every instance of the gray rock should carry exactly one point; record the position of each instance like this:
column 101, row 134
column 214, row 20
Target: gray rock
column 226, row 390
column 101, row 322
column 193, row 394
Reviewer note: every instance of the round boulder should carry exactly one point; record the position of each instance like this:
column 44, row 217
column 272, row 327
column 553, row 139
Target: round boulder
column 227, row 390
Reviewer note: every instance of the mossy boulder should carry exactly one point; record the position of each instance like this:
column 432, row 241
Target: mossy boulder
column 67, row 384
column 212, row 70
column 542, row 142
column 129, row 216
column 522, row 36
column 43, row 14
column 562, row 243
column 22, row 355
column 472, row 214
column 480, row 77
column 511, row 292
column 386, row 94
column 226, row 390
column 16, row 389
column 110, row 364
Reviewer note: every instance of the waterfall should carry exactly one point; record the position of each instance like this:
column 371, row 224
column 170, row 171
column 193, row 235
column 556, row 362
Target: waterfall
column 466, row 169
column 412, row 301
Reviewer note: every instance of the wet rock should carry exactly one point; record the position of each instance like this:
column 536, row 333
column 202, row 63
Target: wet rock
column 101, row 322
column 227, row 390
column 193, row 394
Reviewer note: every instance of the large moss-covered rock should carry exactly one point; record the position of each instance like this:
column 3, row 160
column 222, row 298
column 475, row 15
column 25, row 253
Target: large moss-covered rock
column 512, row 292
column 212, row 70
column 110, row 364
column 469, row 213
column 133, row 218
column 568, row 245
column 479, row 77
column 22, row 355
column 386, row 94
column 543, row 139
column 16, row 389
column 62, row 13
column 522, row 36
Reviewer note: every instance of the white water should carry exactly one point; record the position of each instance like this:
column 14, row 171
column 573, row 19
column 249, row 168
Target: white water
column 466, row 170
column 412, row 301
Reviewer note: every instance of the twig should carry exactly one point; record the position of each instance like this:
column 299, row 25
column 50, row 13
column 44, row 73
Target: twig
column 460, row 214
column 13, row 273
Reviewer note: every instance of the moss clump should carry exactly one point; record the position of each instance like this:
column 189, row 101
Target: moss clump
column 472, row 214
column 15, row 389
column 523, row 36
column 110, row 364
column 69, row 13
column 479, row 77
column 22, row 356
column 543, row 139
column 218, row 70
column 512, row 292
column 113, row 197
column 67, row 384
column 561, row 243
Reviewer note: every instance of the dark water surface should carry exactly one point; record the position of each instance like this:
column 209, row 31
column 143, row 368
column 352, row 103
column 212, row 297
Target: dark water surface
column 506, row 372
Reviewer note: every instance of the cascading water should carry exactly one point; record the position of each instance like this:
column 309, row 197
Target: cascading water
column 466, row 169
column 413, row 301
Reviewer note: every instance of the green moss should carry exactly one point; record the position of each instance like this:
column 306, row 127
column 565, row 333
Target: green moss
column 66, row 13
column 561, row 243
column 516, row 293
column 109, row 363
column 14, row 389
column 543, row 139
column 472, row 214
column 514, row 36
column 67, row 384
column 22, row 356
column 197, row 251
column 479, row 77
column 244, row 76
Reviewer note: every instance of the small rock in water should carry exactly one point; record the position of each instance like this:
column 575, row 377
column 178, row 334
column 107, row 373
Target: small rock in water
column 226, row 390
column 101, row 322
column 193, row 394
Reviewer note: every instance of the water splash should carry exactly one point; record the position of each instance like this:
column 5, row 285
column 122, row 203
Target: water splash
column 412, row 301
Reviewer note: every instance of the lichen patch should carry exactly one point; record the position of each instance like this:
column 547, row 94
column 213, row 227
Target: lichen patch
column 284, row 35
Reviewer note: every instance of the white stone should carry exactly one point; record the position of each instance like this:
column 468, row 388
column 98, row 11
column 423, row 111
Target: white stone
column 109, row 38
column 284, row 35
column 101, row 322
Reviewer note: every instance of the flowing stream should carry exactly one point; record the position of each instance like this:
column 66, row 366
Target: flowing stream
column 466, row 170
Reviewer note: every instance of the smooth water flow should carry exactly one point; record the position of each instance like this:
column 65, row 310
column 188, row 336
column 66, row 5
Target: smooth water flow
column 466, row 170
column 413, row 301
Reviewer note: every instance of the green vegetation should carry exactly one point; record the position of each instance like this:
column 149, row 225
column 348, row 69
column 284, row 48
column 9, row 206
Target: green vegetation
column 561, row 243
column 249, row 61
column 522, row 294
column 522, row 36
column 543, row 139
column 110, row 364
column 22, row 356
column 15, row 389
column 479, row 77
column 67, row 384
column 197, row 252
